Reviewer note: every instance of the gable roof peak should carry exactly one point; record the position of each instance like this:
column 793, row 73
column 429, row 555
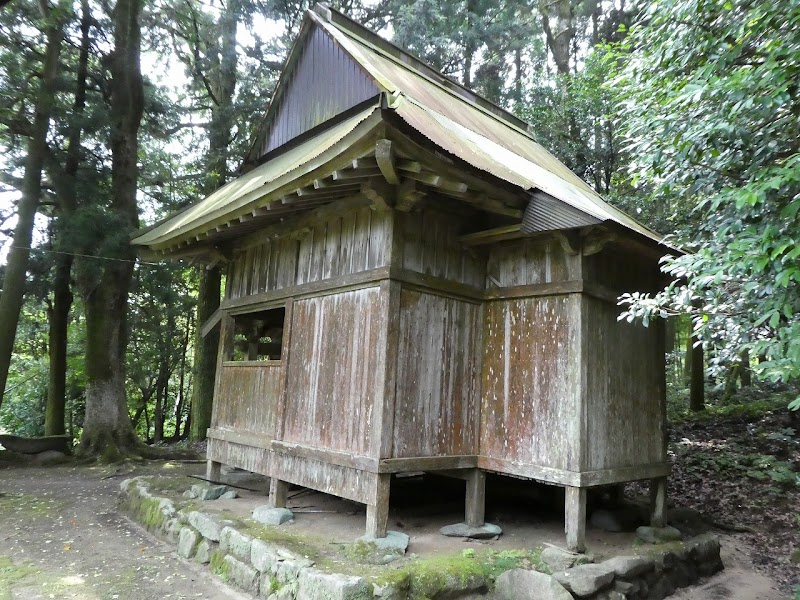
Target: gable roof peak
column 341, row 22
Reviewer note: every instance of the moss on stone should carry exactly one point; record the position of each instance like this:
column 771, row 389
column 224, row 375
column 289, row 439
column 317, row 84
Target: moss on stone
column 146, row 511
column 219, row 566
column 795, row 557
column 426, row 577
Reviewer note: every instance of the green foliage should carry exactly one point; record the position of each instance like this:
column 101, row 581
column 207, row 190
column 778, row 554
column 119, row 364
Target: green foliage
column 573, row 118
column 710, row 94
column 476, row 42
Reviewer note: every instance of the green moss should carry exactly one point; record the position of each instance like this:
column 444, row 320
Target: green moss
column 426, row 577
column 218, row 565
column 274, row 585
column 795, row 557
column 11, row 574
column 368, row 553
column 146, row 511
column 299, row 543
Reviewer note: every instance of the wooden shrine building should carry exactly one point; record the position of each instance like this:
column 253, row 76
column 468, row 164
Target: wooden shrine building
column 414, row 284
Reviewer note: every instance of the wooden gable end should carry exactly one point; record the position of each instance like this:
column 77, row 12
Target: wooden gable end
column 324, row 81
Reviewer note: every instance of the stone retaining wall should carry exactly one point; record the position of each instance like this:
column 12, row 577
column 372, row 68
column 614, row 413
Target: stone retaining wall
column 270, row 571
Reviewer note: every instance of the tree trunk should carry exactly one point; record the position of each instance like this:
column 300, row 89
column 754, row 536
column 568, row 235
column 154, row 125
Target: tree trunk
column 182, row 381
column 17, row 263
column 107, row 429
column 745, row 373
column 697, row 399
column 55, row 410
column 559, row 31
column 205, row 356
column 62, row 294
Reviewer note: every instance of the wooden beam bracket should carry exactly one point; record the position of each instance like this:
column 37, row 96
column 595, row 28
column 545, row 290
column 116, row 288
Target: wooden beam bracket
column 384, row 156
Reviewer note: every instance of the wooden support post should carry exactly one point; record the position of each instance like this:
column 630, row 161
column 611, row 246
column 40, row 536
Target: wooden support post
column 658, row 502
column 378, row 513
column 575, row 518
column 278, row 490
column 476, row 498
column 213, row 470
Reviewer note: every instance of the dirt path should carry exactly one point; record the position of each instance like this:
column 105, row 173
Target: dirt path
column 62, row 537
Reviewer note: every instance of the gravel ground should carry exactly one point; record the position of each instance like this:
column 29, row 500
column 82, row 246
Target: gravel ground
column 62, row 537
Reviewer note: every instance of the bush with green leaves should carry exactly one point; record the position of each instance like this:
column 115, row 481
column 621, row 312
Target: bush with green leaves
column 712, row 120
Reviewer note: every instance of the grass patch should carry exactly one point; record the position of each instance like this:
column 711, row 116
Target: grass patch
column 11, row 574
column 30, row 507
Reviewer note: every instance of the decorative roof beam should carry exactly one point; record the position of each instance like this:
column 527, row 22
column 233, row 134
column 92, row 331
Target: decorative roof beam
column 384, row 156
column 438, row 181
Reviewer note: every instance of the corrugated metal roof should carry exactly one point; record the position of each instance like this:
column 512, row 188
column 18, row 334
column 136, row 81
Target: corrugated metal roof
column 250, row 187
column 465, row 129
column 447, row 114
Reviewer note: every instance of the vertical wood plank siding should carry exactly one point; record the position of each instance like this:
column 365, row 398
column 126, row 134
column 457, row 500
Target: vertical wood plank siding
column 332, row 382
column 531, row 402
column 438, row 388
column 530, row 261
column 323, row 65
column 430, row 246
column 249, row 395
column 346, row 244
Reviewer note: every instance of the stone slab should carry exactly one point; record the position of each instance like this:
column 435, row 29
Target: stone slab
column 462, row 530
column 272, row 516
column 520, row 584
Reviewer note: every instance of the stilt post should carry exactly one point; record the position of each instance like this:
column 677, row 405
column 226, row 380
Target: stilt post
column 378, row 513
column 575, row 518
column 278, row 490
column 475, row 506
column 658, row 502
column 213, row 470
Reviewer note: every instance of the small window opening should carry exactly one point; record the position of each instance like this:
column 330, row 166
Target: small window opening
column 259, row 336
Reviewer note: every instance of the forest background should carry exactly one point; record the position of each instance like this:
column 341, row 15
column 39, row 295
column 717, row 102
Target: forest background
column 684, row 113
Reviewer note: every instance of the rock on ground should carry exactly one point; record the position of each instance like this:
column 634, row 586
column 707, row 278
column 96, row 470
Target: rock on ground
column 520, row 584
column 585, row 580
column 485, row 531
column 658, row 535
column 559, row 559
column 272, row 516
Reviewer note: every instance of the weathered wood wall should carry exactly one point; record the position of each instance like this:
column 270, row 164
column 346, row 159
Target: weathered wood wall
column 530, row 261
column 332, row 380
column 531, row 409
column 429, row 245
column 624, row 392
column 251, row 391
column 353, row 242
column 438, row 387
column 625, row 386
column 343, row 245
